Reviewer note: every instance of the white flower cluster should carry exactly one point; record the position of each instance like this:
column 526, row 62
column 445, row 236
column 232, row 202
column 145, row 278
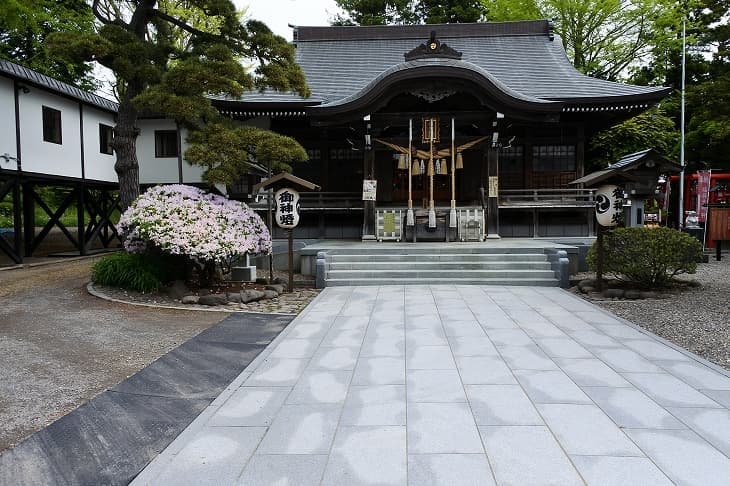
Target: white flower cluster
column 184, row 220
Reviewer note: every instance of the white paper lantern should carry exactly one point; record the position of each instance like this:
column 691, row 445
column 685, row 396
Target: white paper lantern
column 609, row 205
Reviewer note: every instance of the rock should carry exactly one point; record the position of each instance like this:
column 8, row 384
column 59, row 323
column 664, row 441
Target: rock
column 203, row 291
column 270, row 294
column 586, row 283
column 213, row 299
column 190, row 299
column 586, row 289
column 613, row 293
column 633, row 294
column 694, row 283
column 650, row 294
column 279, row 280
column 177, row 290
column 278, row 288
column 262, row 281
column 234, row 297
column 251, row 295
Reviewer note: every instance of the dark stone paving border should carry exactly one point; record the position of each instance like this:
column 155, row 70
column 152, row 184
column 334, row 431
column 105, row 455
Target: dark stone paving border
column 111, row 438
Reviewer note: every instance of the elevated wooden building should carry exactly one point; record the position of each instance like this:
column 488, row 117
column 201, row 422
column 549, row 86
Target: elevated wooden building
column 386, row 101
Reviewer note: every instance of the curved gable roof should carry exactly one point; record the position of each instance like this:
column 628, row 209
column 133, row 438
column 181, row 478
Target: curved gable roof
column 523, row 56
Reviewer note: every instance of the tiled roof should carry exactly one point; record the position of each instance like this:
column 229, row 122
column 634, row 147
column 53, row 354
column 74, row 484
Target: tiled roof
column 35, row 78
column 524, row 56
column 629, row 159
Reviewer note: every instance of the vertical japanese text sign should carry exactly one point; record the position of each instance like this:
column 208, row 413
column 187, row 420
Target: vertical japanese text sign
column 287, row 208
column 609, row 205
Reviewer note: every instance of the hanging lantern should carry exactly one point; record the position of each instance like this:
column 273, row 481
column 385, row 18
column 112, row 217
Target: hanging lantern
column 423, row 167
column 402, row 162
column 459, row 161
column 438, row 166
column 416, row 168
column 430, row 168
column 444, row 169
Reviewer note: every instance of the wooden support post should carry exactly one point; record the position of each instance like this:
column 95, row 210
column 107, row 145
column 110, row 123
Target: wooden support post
column 599, row 258
column 81, row 227
column 492, row 192
column 28, row 219
column 291, row 260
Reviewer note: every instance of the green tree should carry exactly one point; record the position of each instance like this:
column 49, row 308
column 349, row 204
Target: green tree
column 139, row 42
column 651, row 129
column 246, row 145
column 24, row 27
column 388, row 12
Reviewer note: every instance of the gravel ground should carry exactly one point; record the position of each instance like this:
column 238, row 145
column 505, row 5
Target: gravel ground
column 696, row 318
column 59, row 346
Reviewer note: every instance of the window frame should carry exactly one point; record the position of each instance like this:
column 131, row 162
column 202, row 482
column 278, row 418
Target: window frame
column 162, row 150
column 52, row 125
column 106, row 136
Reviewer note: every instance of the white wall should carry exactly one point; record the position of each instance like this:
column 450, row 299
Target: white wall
column 7, row 123
column 98, row 166
column 47, row 157
column 162, row 170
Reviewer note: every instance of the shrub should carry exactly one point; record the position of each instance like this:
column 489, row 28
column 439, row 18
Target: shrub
column 132, row 271
column 207, row 229
column 647, row 257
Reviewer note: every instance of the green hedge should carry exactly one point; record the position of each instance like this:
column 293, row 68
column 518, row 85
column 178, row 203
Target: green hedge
column 647, row 257
column 138, row 272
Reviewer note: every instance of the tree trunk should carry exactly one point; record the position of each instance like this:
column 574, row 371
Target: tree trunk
column 125, row 146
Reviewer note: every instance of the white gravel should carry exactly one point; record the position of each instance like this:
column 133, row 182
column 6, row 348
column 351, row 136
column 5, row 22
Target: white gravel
column 696, row 318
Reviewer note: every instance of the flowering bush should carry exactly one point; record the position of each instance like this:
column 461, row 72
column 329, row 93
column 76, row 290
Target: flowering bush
column 184, row 220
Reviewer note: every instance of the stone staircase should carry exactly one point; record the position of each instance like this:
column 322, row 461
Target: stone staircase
column 462, row 265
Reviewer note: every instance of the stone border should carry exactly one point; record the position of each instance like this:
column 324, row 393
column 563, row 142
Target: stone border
column 101, row 295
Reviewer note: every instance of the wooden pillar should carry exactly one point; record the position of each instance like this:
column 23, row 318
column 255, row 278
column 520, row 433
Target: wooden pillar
column 492, row 192
column 28, row 219
column 368, row 172
column 81, row 233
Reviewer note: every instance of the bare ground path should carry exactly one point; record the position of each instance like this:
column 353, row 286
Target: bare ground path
column 59, row 346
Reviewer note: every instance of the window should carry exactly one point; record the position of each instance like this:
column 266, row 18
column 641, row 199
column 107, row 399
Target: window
column 553, row 158
column 51, row 125
column 166, row 143
column 106, row 135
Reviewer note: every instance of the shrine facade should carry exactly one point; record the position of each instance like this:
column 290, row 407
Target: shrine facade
column 443, row 132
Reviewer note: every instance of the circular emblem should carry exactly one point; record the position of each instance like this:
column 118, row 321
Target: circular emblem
column 433, row 46
column 603, row 203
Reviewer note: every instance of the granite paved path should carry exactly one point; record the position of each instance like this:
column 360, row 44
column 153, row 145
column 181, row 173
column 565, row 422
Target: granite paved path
column 457, row 385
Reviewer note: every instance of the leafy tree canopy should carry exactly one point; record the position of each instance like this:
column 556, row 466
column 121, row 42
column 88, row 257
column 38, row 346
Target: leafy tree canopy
column 245, row 145
column 651, row 129
column 381, row 12
column 170, row 57
column 24, row 27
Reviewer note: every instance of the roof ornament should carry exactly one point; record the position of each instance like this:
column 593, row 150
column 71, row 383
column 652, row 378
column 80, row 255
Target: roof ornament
column 432, row 48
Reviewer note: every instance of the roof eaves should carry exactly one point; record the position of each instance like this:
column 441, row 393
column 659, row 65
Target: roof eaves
column 42, row 81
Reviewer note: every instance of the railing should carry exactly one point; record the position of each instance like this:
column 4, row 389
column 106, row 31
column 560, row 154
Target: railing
column 547, row 197
column 318, row 201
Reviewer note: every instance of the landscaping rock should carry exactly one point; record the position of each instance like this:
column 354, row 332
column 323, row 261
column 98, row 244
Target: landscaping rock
column 213, row 299
column 633, row 294
column 262, row 281
column 278, row 288
column 590, row 283
column 586, row 289
column 234, row 297
column 650, row 294
column 279, row 280
column 203, row 291
column 190, row 299
column 177, row 290
column 613, row 293
column 270, row 294
column 251, row 295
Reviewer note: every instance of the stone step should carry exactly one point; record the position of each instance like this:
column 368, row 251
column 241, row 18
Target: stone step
column 411, row 257
column 451, row 265
column 425, row 273
column 546, row 282
column 417, row 248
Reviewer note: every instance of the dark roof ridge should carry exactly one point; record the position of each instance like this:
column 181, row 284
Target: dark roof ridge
column 35, row 78
column 422, row 31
